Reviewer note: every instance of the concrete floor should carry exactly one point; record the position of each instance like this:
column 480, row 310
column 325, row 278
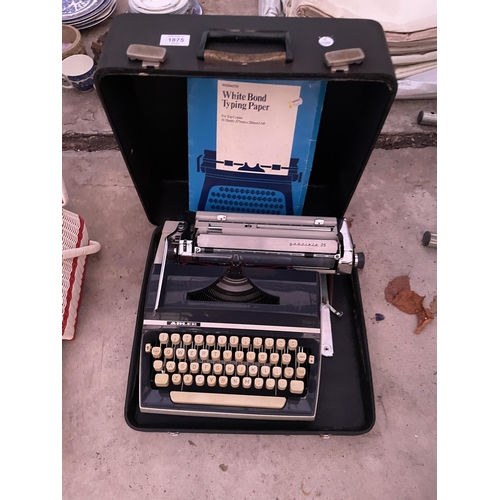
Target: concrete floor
column 103, row 458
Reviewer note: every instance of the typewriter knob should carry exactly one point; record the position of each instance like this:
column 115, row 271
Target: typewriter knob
column 359, row 260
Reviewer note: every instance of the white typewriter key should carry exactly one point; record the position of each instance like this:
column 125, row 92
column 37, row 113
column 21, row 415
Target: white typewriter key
column 257, row 343
column 253, row 371
column 175, row 339
column 245, row 342
column 301, row 372
column 301, row 357
column 206, row 368
column 286, row 358
column 223, row 381
column 227, row 355
column 234, row 341
column 183, row 367
column 215, row 355
column 158, row 365
column 163, row 338
column 239, row 356
column 311, row 360
column 210, row 340
column 250, row 356
column 235, row 382
column 282, row 383
column 221, row 341
column 288, row 372
column 262, row 357
column 246, row 383
column 203, row 354
column 187, row 338
column 296, row 386
column 200, row 380
column 270, row 384
column 147, row 347
column 280, row 344
column 171, row 366
column 168, row 352
column 198, row 340
column 269, row 343
column 229, row 370
column 274, row 358
column 265, row 371
column 218, row 369
column 161, row 379
column 292, row 344
column 194, row 368
column 258, row 383
column 276, row 372
column 180, row 353
column 176, row 379
column 192, row 354
column 241, row 370
column 156, row 352
column 211, row 381
column 187, row 379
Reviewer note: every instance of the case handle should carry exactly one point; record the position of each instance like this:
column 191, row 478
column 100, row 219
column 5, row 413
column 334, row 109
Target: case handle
column 244, row 37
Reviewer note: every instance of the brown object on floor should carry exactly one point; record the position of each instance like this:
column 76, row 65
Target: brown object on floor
column 97, row 47
column 395, row 286
column 424, row 317
column 399, row 294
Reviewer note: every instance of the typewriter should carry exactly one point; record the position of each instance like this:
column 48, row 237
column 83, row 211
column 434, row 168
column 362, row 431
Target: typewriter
column 238, row 314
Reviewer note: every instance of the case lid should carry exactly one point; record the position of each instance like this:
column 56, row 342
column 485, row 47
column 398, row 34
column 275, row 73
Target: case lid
column 147, row 102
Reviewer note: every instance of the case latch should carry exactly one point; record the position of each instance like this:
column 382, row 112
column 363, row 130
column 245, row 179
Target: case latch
column 339, row 60
column 150, row 55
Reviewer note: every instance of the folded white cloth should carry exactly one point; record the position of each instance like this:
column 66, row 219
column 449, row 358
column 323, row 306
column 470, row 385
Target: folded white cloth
column 414, row 58
column 398, row 16
column 413, row 69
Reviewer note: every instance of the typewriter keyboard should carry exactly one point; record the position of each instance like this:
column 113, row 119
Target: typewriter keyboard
column 227, row 373
column 246, row 200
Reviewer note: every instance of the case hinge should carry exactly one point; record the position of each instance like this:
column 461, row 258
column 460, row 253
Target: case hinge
column 339, row 60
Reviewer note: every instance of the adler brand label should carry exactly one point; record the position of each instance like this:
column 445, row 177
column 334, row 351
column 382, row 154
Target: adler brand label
column 182, row 323
column 251, row 144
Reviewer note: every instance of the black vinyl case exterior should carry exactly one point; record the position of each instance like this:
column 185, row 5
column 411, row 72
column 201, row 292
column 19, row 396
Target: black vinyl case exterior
column 147, row 110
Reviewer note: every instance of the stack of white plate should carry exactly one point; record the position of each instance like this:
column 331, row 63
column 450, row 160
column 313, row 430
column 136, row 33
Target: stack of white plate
column 86, row 13
column 159, row 6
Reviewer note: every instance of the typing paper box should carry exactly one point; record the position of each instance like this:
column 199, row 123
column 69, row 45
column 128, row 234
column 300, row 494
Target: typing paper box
column 251, row 144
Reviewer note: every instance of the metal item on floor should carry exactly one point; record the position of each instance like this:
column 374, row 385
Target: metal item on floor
column 427, row 118
column 429, row 239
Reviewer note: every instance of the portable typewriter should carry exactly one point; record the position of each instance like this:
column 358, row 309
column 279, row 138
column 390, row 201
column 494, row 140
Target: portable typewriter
column 237, row 315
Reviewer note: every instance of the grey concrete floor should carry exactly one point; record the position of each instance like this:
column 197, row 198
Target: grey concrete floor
column 103, row 458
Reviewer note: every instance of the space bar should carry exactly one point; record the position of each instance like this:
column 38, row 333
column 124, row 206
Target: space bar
column 242, row 400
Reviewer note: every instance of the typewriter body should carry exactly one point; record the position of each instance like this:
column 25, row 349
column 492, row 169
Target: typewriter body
column 237, row 315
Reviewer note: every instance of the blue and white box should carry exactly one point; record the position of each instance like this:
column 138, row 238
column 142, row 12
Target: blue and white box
column 251, row 144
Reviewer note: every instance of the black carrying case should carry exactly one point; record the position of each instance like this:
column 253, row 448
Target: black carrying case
column 147, row 110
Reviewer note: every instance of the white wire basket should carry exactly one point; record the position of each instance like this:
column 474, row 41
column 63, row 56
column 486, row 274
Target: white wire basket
column 76, row 245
